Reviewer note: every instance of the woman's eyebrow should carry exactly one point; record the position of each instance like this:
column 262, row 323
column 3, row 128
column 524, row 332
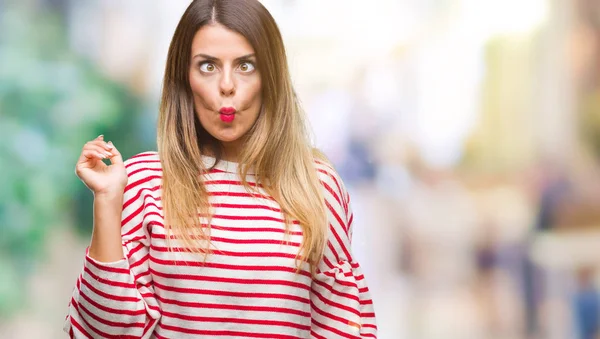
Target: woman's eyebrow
column 212, row 58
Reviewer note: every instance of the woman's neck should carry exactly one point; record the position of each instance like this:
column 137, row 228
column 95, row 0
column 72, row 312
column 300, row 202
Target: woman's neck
column 229, row 152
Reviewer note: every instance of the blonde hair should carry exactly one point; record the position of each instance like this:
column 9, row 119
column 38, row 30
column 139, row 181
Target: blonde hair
column 277, row 148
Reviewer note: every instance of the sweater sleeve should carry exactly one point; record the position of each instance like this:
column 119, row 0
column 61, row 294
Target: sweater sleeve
column 117, row 299
column 341, row 305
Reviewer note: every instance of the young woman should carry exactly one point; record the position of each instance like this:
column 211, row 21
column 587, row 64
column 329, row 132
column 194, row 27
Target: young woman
column 236, row 227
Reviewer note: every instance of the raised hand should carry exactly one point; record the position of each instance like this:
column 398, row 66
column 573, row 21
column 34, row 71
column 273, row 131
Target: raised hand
column 100, row 178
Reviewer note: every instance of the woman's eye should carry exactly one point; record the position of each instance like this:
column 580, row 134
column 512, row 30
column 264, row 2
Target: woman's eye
column 207, row 67
column 246, row 67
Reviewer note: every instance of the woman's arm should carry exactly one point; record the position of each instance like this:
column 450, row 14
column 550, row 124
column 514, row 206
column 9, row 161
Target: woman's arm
column 114, row 295
column 106, row 243
column 341, row 304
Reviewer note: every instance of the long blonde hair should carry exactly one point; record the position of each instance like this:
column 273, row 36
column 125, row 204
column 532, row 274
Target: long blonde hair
column 277, row 147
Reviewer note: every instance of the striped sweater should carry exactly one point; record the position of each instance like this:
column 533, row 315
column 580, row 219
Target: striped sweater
column 248, row 287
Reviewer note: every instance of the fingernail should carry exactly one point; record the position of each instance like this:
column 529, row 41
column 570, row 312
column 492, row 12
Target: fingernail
column 101, row 155
column 101, row 136
column 109, row 145
column 108, row 155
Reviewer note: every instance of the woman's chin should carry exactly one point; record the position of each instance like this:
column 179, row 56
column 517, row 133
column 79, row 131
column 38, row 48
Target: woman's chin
column 227, row 137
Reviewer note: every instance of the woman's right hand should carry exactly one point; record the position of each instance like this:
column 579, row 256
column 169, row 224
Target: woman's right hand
column 102, row 179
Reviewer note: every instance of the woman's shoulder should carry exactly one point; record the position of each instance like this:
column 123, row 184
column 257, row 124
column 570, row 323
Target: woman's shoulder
column 325, row 169
column 333, row 186
column 144, row 178
column 143, row 165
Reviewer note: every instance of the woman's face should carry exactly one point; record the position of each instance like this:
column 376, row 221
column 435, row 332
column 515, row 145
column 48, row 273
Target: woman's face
column 226, row 85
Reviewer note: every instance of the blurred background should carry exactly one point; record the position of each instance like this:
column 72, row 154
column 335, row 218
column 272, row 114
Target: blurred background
column 467, row 131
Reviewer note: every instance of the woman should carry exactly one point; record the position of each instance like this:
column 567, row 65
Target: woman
column 269, row 255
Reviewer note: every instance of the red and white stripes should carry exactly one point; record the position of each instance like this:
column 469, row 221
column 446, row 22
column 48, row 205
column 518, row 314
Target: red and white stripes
column 248, row 287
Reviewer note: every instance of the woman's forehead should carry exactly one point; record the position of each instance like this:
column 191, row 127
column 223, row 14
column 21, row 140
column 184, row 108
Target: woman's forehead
column 220, row 42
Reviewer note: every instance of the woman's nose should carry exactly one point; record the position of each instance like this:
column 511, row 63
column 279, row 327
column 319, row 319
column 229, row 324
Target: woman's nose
column 227, row 84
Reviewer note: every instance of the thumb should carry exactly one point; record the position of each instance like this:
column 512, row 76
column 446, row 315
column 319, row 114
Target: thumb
column 116, row 159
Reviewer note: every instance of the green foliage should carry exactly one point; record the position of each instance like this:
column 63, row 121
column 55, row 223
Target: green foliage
column 51, row 102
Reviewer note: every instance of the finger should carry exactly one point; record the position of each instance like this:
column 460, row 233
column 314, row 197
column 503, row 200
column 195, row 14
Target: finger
column 92, row 155
column 116, row 158
column 99, row 143
column 88, row 159
column 99, row 149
